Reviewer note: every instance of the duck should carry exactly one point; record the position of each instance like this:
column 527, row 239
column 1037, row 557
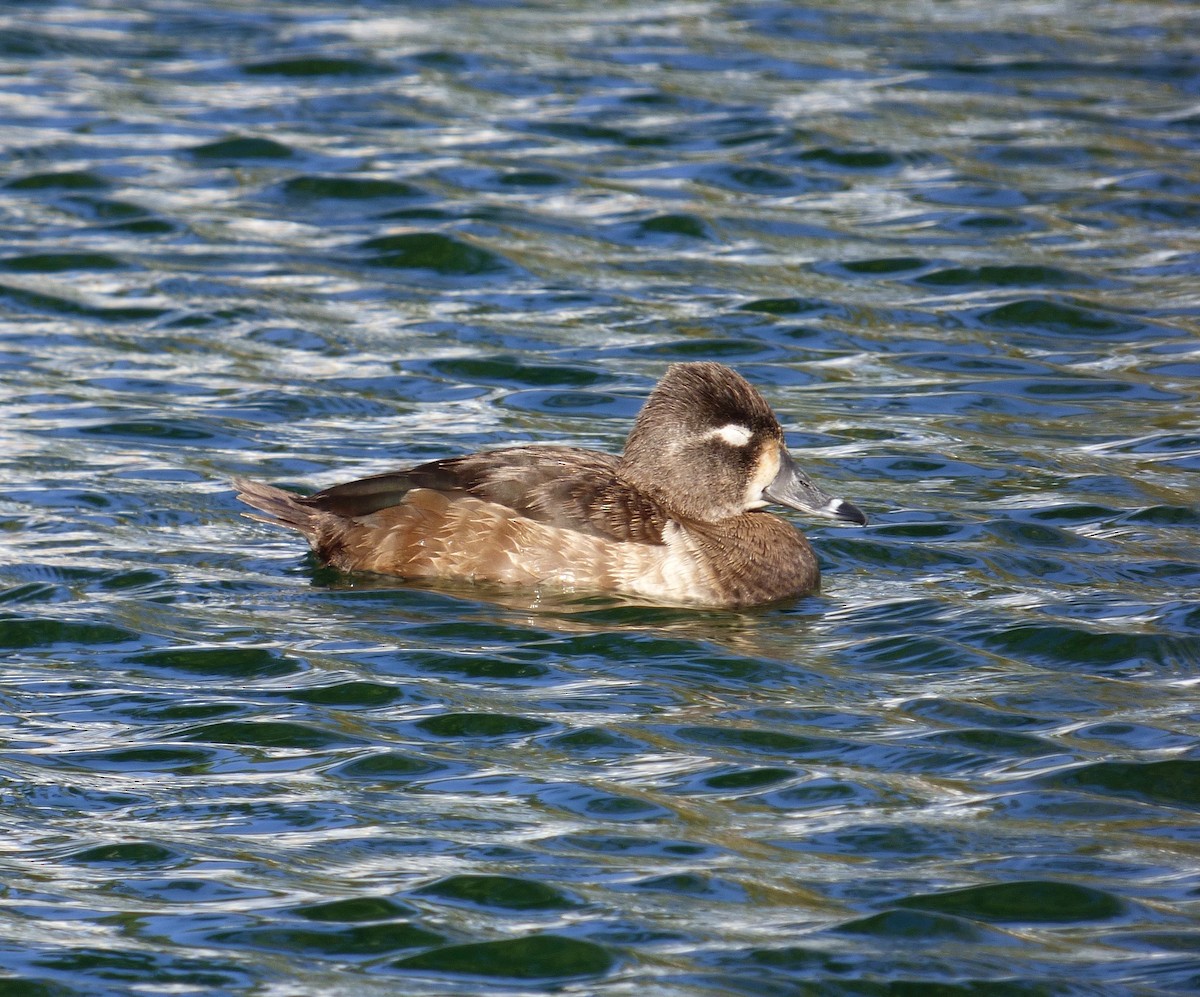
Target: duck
column 677, row 518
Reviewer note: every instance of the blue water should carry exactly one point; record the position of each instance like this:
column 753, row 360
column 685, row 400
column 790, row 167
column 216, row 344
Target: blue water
column 954, row 244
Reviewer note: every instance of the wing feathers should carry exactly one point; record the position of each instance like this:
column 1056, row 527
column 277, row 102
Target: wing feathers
column 527, row 515
column 563, row 487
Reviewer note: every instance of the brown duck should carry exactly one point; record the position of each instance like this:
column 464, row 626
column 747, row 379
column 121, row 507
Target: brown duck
column 676, row 518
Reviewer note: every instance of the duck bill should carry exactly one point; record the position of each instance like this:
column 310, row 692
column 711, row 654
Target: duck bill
column 793, row 488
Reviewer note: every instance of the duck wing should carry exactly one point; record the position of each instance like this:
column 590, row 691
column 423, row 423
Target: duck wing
column 564, row 487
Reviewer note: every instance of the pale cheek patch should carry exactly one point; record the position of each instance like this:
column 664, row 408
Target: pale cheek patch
column 732, row 433
column 764, row 473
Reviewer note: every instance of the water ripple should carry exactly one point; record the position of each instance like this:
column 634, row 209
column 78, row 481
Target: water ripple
column 306, row 243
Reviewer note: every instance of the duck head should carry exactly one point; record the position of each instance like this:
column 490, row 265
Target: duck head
column 707, row 446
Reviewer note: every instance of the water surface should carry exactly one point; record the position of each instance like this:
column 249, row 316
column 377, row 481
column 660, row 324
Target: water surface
column 955, row 246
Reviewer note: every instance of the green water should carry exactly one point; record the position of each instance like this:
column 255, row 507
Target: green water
column 954, row 244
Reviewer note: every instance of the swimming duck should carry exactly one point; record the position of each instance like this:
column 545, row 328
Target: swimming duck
column 676, row 518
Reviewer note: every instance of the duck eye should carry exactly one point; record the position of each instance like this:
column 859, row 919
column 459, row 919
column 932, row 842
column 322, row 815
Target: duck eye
column 733, row 433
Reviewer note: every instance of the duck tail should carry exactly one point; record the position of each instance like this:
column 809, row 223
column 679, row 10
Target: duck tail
column 278, row 507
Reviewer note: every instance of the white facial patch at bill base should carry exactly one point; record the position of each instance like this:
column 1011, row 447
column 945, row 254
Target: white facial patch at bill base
column 765, row 470
column 735, row 434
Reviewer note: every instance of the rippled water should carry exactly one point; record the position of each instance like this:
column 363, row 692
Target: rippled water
column 955, row 244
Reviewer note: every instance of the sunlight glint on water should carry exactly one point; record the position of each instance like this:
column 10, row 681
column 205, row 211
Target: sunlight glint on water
column 954, row 246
